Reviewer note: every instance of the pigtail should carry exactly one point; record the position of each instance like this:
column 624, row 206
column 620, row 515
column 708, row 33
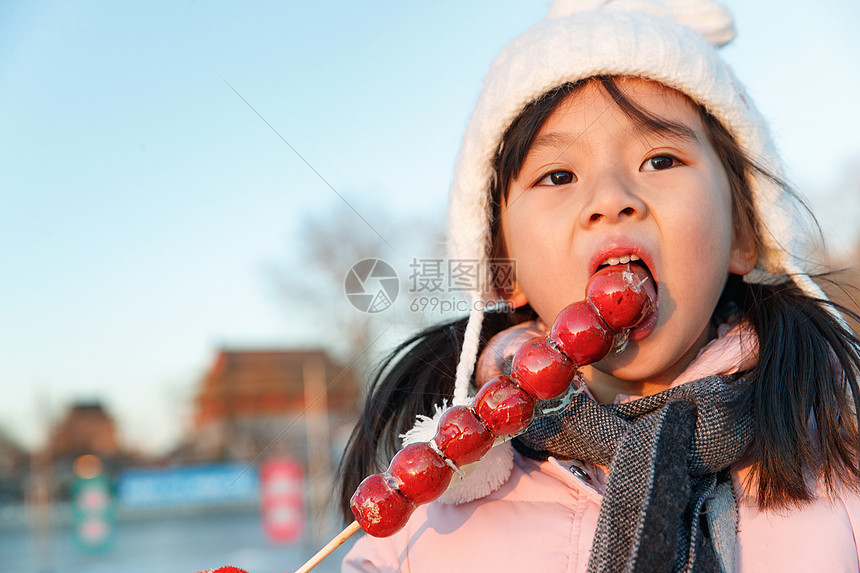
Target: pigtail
column 411, row 380
column 803, row 393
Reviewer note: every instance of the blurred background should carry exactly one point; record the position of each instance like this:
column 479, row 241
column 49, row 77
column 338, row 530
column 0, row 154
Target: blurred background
column 184, row 189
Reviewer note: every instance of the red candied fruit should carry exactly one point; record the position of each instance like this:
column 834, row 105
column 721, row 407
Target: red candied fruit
column 379, row 508
column 504, row 407
column 541, row 370
column 622, row 295
column 461, row 436
column 581, row 335
column 420, row 473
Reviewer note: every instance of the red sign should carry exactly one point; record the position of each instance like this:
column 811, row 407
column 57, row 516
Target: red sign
column 282, row 500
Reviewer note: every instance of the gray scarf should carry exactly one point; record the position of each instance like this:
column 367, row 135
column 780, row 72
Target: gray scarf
column 664, row 454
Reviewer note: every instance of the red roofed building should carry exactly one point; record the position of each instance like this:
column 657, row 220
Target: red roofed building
column 86, row 428
column 251, row 400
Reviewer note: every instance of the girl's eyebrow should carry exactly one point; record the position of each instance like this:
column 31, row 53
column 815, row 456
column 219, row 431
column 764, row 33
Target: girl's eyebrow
column 558, row 140
column 666, row 128
column 561, row 140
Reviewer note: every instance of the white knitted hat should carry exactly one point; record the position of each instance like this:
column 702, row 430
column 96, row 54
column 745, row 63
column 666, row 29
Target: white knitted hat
column 672, row 42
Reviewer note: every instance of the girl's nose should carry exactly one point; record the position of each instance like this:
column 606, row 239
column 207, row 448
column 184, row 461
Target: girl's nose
column 612, row 200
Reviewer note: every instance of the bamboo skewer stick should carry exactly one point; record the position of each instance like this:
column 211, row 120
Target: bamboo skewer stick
column 330, row 546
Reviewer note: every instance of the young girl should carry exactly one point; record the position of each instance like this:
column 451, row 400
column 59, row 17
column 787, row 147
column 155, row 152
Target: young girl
column 725, row 436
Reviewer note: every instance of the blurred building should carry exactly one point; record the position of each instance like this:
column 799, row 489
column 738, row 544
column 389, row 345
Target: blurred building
column 86, row 428
column 13, row 465
column 12, row 455
column 255, row 401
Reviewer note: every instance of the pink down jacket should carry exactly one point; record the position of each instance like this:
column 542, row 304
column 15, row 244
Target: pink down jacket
column 544, row 517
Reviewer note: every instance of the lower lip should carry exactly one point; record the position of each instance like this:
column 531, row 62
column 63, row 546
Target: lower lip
column 646, row 328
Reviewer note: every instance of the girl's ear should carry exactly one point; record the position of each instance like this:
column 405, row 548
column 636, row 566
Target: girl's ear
column 506, row 284
column 744, row 253
column 503, row 272
column 515, row 297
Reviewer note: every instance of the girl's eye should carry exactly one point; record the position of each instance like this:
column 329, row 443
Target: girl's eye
column 556, row 178
column 659, row 163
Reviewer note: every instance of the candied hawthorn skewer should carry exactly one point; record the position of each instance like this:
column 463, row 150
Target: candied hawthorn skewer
column 543, row 368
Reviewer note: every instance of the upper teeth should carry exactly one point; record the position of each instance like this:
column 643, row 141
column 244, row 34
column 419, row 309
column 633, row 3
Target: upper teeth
column 623, row 260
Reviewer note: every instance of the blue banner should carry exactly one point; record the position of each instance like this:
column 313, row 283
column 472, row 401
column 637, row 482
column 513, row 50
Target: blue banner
column 188, row 486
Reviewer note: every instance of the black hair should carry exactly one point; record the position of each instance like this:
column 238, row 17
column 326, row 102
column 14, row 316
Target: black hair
column 803, row 392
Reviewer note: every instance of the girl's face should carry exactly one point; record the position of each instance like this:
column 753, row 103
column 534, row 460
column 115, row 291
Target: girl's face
column 595, row 186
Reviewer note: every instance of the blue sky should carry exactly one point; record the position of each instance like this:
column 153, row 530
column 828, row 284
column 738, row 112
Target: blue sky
column 142, row 202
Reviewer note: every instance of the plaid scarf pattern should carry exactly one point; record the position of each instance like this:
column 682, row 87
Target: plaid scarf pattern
column 665, row 455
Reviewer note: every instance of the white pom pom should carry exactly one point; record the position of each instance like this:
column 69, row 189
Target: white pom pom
column 564, row 8
column 482, row 477
column 425, row 426
column 710, row 19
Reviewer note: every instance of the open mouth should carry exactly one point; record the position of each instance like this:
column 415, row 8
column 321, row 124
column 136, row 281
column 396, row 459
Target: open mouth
column 639, row 277
column 635, row 265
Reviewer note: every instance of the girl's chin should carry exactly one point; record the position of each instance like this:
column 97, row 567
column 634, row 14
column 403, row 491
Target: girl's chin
column 618, row 363
column 606, row 381
column 630, row 365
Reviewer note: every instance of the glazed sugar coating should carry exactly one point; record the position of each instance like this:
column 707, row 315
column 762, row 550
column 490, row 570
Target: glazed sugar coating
column 462, row 437
column 420, row 473
column 504, row 407
column 380, row 508
column 622, row 295
column 541, row 370
column 581, row 335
